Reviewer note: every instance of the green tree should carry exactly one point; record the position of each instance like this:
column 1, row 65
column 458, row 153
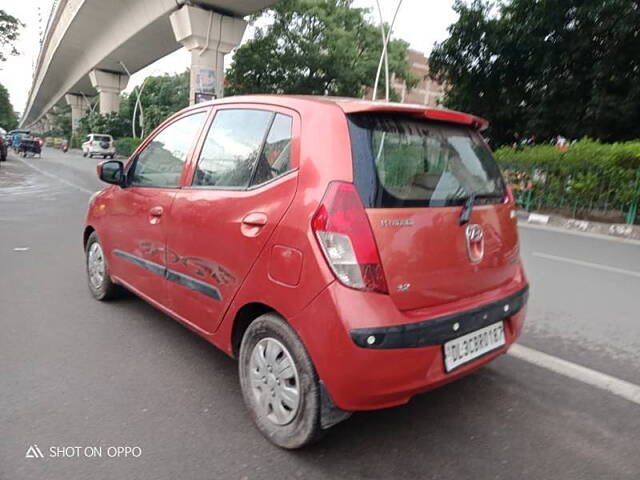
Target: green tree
column 9, row 32
column 110, row 124
column 8, row 117
column 545, row 67
column 314, row 47
column 161, row 97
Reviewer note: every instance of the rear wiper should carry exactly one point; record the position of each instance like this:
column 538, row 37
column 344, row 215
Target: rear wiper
column 465, row 215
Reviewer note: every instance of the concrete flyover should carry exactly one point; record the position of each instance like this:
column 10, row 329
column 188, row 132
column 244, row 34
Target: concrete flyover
column 90, row 47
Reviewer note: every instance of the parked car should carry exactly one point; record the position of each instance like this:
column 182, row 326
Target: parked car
column 349, row 254
column 15, row 137
column 4, row 147
column 99, row 144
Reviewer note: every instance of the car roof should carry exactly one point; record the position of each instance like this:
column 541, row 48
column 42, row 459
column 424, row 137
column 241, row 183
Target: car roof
column 356, row 105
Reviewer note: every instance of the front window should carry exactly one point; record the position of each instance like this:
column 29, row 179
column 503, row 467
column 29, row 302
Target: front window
column 402, row 162
column 161, row 162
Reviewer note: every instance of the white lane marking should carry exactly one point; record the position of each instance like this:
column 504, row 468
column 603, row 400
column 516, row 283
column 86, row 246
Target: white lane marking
column 613, row 385
column 56, row 177
column 582, row 263
column 21, row 249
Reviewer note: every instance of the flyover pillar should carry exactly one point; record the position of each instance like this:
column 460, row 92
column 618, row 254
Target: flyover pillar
column 109, row 85
column 49, row 123
column 208, row 36
column 79, row 106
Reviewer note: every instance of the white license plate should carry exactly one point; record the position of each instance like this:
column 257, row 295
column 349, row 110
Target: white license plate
column 468, row 347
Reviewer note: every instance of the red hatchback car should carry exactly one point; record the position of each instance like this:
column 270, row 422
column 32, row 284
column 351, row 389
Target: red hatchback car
column 350, row 254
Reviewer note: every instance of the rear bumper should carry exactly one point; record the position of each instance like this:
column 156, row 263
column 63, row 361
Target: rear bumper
column 407, row 357
column 437, row 331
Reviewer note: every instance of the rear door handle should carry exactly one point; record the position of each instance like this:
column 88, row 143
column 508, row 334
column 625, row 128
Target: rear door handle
column 156, row 212
column 255, row 219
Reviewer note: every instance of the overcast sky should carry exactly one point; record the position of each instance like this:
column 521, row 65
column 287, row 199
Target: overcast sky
column 419, row 22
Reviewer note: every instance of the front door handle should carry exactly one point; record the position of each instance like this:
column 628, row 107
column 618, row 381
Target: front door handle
column 156, row 212
column 255, row 219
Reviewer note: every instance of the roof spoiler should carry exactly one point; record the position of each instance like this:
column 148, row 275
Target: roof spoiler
column 420, row 111
column 478, row 123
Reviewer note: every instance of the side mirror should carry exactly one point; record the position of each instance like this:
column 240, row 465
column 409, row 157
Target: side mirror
column 111, row 171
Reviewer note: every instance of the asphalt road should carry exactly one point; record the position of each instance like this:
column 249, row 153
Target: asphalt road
column 76, row 372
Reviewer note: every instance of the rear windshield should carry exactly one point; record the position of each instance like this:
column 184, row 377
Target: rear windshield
column 402, row 162
column 101, row 138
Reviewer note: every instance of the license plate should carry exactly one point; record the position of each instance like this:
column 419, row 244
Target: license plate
column 468, row 347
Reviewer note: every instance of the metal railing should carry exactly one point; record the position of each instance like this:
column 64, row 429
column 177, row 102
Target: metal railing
column 609, row 195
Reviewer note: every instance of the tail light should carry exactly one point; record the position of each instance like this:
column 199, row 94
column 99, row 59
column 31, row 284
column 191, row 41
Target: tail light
column 91, row 142
column 343, row 231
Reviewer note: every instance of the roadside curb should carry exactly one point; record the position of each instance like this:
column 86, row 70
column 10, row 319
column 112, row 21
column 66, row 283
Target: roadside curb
column 616, row 230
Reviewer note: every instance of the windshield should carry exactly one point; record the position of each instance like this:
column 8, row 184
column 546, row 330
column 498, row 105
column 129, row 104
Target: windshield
column 102, row 138
column 402, row 162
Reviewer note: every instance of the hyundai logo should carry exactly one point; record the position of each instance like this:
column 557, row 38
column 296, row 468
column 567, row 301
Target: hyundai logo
column 475, row 242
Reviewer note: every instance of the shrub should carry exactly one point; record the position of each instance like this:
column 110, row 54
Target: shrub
column 126, row 146
column 586, row 180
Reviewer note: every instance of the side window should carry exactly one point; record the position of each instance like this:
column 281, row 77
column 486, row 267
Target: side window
column 232, row 147
column 161, row 162
column 275, row 159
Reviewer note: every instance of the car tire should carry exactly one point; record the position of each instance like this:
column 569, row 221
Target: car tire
column 91, row 155
column 268, row 395
column 84, row 154
column 100, row 284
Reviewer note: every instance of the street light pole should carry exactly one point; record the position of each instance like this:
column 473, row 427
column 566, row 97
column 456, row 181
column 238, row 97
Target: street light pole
column 138, row 103
column 384, row 56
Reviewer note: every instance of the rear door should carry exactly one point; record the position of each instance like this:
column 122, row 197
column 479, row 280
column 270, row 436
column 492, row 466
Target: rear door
column 242, row 183
column 414, row 178
column 136, row 233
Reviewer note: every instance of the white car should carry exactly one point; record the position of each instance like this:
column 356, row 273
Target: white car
column 99, row 144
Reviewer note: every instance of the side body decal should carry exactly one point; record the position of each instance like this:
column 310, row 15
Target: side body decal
column 173, row 276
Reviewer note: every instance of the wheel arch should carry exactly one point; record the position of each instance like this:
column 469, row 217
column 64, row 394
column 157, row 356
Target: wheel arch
column 88, row 230
column 243, row 318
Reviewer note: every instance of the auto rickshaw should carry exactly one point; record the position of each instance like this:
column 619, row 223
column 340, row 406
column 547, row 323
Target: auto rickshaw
column 29, row 145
